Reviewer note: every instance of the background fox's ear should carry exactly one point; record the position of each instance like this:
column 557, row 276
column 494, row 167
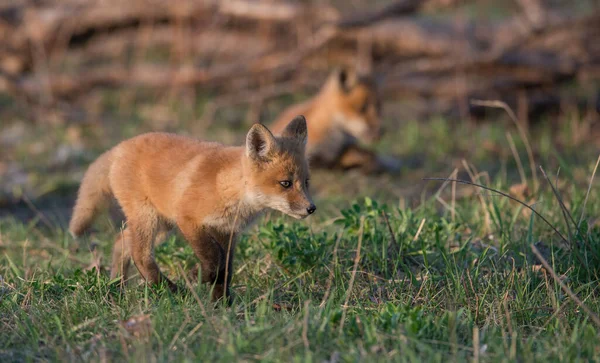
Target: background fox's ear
column 347, row 79
column 259, row 142
column 296, row 129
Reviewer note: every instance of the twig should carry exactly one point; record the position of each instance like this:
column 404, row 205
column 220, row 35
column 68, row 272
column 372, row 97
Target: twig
column 331, row 270
column 419, row 230
column 563, row 208
column 389, row 227
column 588, row 192
column 453, row 192
column 229, row 248
column 515, row 153
column 564, row 287
column 179, row 331
column 557, row 194
column 453, row 203
column 191, row 288
column 195, row 329
column 475, row 344
column 40, row 215
column 522, row 131
column 484, row 205
column 351, row 284
column 122, row 261
column 441, row 188
column 305, row 326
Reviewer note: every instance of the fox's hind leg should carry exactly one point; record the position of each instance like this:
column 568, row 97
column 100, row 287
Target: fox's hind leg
column 121, row 256
column 143, row 233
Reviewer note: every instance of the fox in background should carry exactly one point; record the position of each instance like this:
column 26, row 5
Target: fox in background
column 209, row 191
column 345, row 113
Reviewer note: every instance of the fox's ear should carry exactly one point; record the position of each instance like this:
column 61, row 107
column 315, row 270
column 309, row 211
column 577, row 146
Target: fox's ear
column 259, row 142
column 296, row 129
column 347, row 79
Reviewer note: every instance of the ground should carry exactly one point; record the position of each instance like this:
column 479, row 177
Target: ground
column 390, row 268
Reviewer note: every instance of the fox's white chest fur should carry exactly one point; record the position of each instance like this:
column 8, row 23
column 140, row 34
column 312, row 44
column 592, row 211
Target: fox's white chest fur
column 233, row 217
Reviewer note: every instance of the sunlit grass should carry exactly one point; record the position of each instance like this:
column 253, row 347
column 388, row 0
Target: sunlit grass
column 441, row 275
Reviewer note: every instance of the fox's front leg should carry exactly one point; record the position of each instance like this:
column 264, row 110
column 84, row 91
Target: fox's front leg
column 226, row 242
column 367, row 160
column 211, row 255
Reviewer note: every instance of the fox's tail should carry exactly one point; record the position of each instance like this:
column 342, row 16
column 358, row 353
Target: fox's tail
column 94, row 190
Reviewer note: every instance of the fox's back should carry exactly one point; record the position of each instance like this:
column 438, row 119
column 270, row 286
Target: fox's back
column 159, row 167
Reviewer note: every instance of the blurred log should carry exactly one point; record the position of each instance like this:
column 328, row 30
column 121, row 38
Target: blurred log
column 61, row 49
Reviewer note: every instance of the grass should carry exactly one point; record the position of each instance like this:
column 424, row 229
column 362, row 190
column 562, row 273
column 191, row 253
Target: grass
column 436, row 290
column 390, row 268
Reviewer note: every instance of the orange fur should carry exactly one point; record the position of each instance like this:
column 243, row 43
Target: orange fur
column 344, row 114
column 93, row 192
column 208, row 190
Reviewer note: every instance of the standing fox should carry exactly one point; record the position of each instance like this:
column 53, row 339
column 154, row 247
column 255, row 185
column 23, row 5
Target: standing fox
column 343, row 114
column 209, row 191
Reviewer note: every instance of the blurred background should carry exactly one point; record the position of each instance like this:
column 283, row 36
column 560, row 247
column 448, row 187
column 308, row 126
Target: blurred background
column 77, row 77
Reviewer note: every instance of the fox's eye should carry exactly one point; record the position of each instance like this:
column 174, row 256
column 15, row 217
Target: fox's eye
column 285, row 183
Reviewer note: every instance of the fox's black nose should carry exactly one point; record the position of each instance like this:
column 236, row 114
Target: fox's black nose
column 311, row 209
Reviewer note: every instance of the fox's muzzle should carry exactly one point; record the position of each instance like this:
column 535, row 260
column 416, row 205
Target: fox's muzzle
column 303, row 209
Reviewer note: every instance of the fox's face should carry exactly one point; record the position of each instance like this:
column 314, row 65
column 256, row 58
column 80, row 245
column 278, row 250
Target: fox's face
column 278, row 173
column 359, row 107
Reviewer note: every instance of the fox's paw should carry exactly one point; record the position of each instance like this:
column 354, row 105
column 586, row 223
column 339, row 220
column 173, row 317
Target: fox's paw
column 220, row 296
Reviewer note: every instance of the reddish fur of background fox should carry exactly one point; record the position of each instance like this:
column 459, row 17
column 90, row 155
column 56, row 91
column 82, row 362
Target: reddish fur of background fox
column 345, row 113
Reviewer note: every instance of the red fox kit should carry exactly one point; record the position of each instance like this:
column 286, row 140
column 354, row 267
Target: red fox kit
column 207, row 190
column 343, row 114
